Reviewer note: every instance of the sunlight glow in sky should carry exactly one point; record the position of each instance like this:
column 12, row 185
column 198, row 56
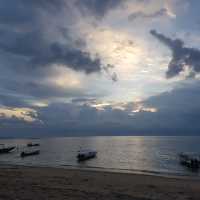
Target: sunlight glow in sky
column 116, row 60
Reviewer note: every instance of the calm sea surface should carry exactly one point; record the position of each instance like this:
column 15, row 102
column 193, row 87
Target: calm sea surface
column 125, row 154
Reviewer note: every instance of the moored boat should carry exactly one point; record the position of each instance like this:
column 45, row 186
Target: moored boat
column 33, row 144
column 29, row 153
column 191, row 161
column 5, row 149
column 86, row 154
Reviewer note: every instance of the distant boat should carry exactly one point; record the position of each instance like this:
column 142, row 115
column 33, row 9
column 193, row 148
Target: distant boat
column 29, row 153
column 191, row 161
column 86, row 154
column 33, row 144
column 4, row 149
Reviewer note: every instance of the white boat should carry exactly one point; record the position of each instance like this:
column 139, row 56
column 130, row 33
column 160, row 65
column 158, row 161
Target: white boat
column 86, row 154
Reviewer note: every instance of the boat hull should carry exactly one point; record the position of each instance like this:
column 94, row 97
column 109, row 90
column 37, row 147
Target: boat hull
column 33, row 145
column 25, row 154
column 6, row 150
column 83, row 157
column 189, row 161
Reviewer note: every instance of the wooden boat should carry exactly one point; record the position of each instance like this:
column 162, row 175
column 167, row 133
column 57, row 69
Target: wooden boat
column 191, row 161
column 33, row 144
column 86, row 154
column 29, row 153
column 4, row 149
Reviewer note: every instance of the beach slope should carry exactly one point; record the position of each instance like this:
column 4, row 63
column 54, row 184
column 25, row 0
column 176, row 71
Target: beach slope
column 25, row 183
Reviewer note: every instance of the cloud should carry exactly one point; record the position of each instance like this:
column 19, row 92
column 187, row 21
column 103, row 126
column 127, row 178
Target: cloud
column 36, row 51
column 52, row 54
column 172, row 113
column 12, row 100
column 26, row 14
column 24, row 35
column 26, row 114
column 112, row 75
column 83, row 100
column 36, row 38
column 183, row 58
column 96, row 7
column 163, row 12
column 28, row 89
column 178, row 110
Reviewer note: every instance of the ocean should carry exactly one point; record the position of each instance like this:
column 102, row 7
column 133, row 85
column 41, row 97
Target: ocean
column 130, row 154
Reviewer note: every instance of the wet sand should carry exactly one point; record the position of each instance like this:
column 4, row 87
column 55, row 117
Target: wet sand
column 27, row 183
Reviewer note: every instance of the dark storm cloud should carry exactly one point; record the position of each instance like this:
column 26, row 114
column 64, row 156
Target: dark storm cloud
column 23, row 34
column 12, row 101
column 108, row 70
column 23, row 92
column 178, row 113
column 13, row 121
column 159, row 13
column 97, row 7
column 39, row 90
column 73, row 58
column 178, row 110
column 184, row 98
column 33, row 38
column 23, row 12
column 36, row 51
column 83, row 100
column 182, row 57
column 76, row 119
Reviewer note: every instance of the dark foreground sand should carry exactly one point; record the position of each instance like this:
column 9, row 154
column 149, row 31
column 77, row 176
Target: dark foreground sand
column 50, row 183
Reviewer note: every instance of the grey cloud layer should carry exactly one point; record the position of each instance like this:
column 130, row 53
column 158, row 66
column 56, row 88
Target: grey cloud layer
column 96, row 7
column 182, row 57
column 137, row 15
column 36, row 35
column 30, row 41
column 33, row 37
column 27, row 27
column 178, row 114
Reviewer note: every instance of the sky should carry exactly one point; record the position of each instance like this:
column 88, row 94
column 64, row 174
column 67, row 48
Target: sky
column 99, row 67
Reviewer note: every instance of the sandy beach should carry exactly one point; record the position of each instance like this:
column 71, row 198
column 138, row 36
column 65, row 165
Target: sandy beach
column 24, row 183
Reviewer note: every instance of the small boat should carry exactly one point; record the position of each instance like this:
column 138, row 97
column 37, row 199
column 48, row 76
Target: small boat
column 86, row 154
column 191, row 161
column 33, row 144
column 5, row 149
column 29, row 153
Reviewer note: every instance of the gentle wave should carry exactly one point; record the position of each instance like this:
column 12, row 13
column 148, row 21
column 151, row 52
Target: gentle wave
column 133, row 154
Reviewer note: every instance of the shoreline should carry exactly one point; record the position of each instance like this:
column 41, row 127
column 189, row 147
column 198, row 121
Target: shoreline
column 195, row 176
column 58, row 183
